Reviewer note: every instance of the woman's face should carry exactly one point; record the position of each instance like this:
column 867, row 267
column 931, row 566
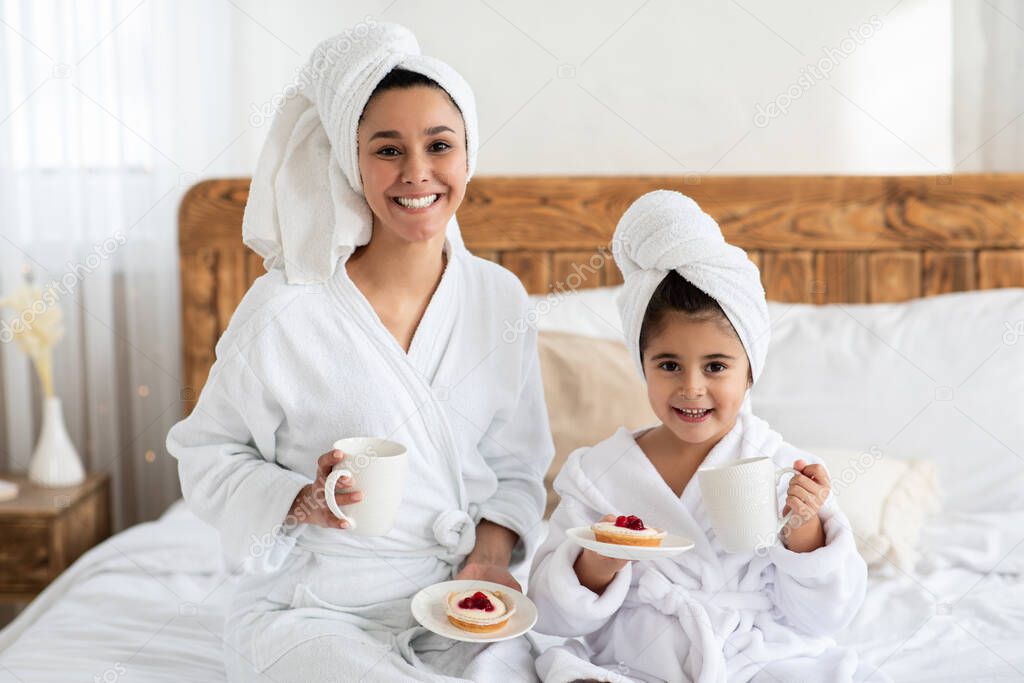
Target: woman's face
column 412, row 160
column 697, row 376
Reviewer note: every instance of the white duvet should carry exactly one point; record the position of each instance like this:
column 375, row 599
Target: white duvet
column 147, row 606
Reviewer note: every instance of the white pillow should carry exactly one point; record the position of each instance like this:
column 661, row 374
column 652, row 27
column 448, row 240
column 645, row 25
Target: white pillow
column 938, row 379
column 587, row 312
column 886, row 501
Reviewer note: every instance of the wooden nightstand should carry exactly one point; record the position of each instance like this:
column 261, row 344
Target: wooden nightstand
column 43, row 531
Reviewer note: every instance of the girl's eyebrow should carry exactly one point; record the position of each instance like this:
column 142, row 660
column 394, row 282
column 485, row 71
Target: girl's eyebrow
column 711, row 356
column 395, row 134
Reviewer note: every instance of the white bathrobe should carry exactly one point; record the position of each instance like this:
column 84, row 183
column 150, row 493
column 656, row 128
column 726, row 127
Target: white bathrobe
column 705, row 615
column 303, row 365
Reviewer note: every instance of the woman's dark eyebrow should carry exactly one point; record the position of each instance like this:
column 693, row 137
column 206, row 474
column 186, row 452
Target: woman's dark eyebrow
column 396, row 135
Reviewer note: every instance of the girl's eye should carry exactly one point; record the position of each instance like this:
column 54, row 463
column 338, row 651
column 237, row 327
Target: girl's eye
column 668, row 365
column 440, row 146
column 388, row 152
column 716, row 367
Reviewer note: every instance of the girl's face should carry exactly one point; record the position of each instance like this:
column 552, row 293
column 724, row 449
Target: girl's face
column 697, row 375
column 412, row 160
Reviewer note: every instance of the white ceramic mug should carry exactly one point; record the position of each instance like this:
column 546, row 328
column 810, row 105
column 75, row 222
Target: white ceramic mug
column 742, row 502
column 377, row 469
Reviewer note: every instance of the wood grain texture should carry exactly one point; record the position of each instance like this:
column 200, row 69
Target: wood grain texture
column 577, row 269
column 949, row 271
column 840, row 277
column 789, row 276
column 815, row 239
column 1000, row 269
column 894, row 276
column 44, row 530
column 533, row 269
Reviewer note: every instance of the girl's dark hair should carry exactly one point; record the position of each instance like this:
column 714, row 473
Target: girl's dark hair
column 676, row 293
column 399, row 79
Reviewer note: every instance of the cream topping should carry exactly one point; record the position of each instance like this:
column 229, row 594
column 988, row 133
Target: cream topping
column 503, row 607
column 609, row 527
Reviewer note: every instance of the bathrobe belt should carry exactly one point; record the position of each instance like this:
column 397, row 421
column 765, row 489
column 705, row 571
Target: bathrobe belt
column 454, row 530
column 696, row 611
column 673, row 600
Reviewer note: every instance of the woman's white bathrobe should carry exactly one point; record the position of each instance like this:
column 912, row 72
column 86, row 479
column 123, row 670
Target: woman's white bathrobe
column 705, row 615
column 303, row 365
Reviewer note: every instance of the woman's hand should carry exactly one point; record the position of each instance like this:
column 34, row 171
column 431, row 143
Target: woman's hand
column 491, row 555
column 596, row 571
column 807, row 493
column 310, row 505
column 488, row 572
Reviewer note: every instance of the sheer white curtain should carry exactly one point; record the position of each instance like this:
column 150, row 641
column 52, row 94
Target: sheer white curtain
column 109, row 110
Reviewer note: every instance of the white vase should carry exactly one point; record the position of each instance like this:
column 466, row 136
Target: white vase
column 55, row 461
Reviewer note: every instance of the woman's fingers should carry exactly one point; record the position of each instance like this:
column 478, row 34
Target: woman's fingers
column 326, row 462
column 333, row 522
column 349, row 498
column 343, row 483
column 608, row 518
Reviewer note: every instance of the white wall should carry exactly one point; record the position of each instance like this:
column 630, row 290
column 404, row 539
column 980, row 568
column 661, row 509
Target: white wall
column 666, row 87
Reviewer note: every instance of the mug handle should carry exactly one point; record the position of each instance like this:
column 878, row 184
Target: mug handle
column 329, row 486
column 779, row 474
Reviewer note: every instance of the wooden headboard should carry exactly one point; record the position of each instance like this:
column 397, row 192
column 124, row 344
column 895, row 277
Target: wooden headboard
column 816, row 239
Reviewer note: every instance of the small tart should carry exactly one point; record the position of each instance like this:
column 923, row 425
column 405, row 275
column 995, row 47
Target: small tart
column 477, row 620
column 610, row 532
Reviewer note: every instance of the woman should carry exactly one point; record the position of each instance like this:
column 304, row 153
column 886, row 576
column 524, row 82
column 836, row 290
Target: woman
column 372, row 320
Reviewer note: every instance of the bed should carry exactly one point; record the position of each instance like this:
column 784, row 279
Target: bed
column 886, row 264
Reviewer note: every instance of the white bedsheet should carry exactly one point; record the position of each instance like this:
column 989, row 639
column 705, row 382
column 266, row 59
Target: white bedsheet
column 146, row 606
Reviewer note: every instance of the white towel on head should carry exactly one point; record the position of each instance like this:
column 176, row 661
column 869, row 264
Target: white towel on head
column 306, row 207
column 663, row 231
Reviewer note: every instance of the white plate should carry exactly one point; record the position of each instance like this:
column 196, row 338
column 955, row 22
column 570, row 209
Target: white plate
column 428, row 608
column 670, row 545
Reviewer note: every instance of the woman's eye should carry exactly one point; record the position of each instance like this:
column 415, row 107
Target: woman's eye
column 388, row 152
column 440, row 147
column 669, row 366
column 716, row 367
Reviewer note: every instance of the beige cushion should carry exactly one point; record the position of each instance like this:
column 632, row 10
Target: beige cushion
column 592, row 389
column 886, row 500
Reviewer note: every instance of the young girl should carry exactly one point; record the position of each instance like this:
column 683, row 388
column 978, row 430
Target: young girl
column 696, row 322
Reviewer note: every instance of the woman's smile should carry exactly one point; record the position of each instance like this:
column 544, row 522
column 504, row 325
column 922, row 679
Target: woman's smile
column 418, row 203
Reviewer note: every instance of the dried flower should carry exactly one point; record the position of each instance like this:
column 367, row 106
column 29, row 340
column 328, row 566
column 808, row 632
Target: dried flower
column 37, row 327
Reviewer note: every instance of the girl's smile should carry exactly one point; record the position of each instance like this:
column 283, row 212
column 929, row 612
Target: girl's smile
column 692, row 415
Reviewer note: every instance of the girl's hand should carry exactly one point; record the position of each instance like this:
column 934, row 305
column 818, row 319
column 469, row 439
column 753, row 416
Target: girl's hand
column 310, row 505
column 596, row 571
column 807, row 493
column 496, row 573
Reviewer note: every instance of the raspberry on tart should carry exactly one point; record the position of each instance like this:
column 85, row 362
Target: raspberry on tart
column 479, row 611
column 627, row 530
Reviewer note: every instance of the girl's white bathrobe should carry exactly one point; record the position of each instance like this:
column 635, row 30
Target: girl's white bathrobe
column 301, row 366
column 705, row 615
